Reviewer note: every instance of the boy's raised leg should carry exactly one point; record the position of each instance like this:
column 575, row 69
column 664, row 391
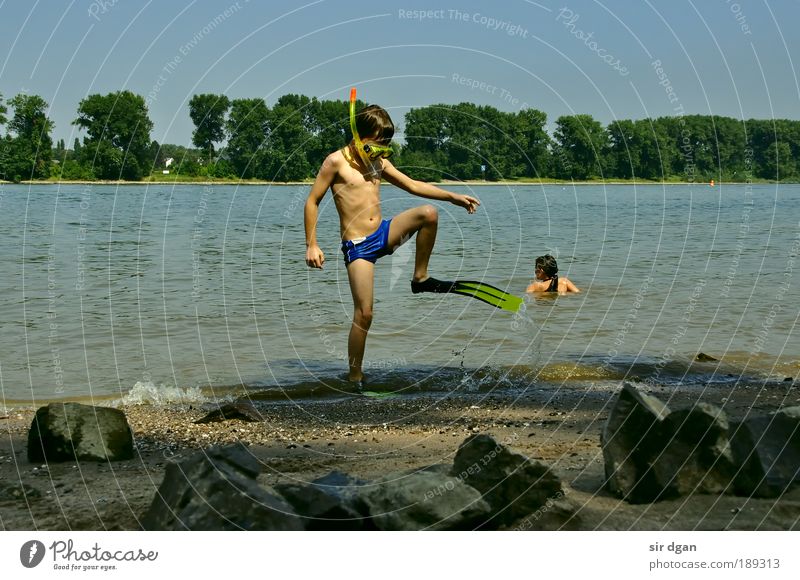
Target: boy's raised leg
column 361, row 276
column 424, row 221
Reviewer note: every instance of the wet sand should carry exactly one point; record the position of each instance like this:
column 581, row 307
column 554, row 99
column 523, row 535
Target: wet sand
column 368, row 438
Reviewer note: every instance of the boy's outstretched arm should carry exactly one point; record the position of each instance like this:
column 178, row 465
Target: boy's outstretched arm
column 314, row 256
column 430, row 191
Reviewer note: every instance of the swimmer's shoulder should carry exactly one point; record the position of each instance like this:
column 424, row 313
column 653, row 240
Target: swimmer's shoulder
column 567, row 286
column 536, row 286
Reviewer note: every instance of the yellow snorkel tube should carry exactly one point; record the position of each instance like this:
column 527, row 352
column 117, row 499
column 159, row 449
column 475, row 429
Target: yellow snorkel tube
column 368, row 151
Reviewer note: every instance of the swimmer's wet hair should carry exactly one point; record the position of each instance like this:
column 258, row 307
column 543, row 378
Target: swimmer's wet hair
column 548, row 265
column 373, row 122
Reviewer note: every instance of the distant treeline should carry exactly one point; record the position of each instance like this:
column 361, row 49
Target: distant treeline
column 246, row 139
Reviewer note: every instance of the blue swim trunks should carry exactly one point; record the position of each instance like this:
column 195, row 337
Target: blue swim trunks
column 372, row 247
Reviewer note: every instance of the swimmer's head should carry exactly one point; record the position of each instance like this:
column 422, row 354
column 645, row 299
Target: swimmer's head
column 374, row 123
column 548, row 265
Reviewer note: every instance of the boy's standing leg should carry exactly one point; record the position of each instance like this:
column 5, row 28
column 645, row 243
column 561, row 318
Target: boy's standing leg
column 360, row 273
column 423, row 221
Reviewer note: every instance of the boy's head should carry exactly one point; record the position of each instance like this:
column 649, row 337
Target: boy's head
column 547, row 264
column 374, row 123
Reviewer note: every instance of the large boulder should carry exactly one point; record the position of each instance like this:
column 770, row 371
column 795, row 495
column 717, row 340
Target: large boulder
column 696, row 454
column 71, row 431
column 768, row 449
column 652, row 454
column 631, row 440
column 423, row 500
column 216, row 489
column 513, row 485
column 330, row 502
column 555, row 515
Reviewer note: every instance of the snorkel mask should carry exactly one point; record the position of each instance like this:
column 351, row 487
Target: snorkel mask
column 368, row 151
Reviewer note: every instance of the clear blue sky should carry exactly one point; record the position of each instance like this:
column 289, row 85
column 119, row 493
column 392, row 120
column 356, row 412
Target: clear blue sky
column 739, row 59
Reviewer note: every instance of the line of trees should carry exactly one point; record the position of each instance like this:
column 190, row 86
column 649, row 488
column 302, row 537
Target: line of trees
column 247, row 139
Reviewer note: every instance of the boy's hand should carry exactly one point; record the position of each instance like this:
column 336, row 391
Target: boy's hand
column 467, row 201
column 314, row 257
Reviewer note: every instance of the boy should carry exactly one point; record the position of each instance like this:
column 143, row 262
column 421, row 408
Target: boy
column 547, row 279
column 354, row 174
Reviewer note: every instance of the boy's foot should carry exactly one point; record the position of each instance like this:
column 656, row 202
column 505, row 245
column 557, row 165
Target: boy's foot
column 358, row 383
column 431, row 285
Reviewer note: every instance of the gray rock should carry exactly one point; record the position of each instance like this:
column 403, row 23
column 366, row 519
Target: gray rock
column 696, row 454
column 555, row 515
column 423, row 500
column 513, row 485
column 18, row 491
column 242, row 409
column 768, row 450
column 338, row 481
column 652, row 454
column 216, row 489
column 330, row 502
column 631, row 439
column 441, row 468
column 71, row 431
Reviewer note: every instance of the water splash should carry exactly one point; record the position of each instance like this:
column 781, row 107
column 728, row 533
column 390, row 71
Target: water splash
column 486, row 379
column 147, row 393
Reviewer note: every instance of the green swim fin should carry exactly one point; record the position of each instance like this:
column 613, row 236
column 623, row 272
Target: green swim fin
column 483, row 292
column 488, row 294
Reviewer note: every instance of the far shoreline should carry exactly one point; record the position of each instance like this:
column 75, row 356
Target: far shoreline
column 471, row 183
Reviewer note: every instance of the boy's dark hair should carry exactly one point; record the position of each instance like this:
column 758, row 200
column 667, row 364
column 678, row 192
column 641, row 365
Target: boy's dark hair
column 375, row 123
column 548, row 265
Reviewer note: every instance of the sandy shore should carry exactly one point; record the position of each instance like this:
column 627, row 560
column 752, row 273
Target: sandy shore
column 371, row 437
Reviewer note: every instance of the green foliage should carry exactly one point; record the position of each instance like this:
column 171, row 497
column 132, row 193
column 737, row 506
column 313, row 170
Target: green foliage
column 289, row 142
column 623, row 153
column 208, row 115
column 3, row 111
column 185, row 161
column 422, row 166
column 642, row 149
column 779, row 163
column 222, row 169
column 581, row 147
column 695, row 137
column 730, row 147
column 467, row 141
column 102, row 159
column 776, row 143
column 60, row 151
column 288, row 133
column 5, row 153
column 534, row 143
column 73, row 170
column 27, row 154
column 118, row 129
column 246, row 128
column 329, row 129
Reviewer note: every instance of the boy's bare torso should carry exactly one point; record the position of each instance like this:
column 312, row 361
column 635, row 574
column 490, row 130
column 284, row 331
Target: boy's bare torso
column 357, row 197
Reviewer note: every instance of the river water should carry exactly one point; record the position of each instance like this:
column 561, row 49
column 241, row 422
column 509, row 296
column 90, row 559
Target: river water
column 196, row 292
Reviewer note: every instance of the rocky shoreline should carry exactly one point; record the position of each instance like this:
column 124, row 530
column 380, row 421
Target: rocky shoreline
column 297, row 443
